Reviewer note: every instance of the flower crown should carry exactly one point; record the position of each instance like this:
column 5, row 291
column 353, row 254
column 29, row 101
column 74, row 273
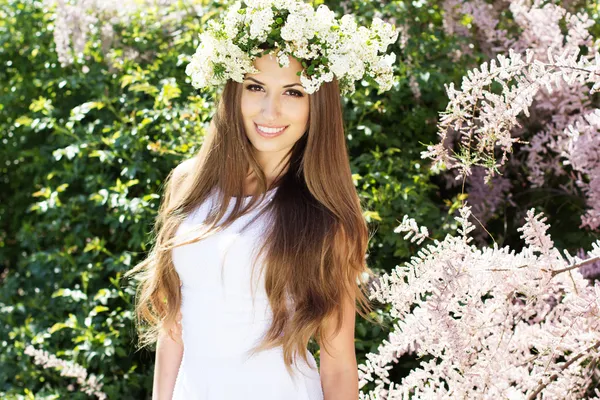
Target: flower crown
column 325, row 46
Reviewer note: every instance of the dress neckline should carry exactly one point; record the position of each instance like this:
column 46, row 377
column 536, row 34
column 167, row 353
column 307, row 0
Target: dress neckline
column 267, row 193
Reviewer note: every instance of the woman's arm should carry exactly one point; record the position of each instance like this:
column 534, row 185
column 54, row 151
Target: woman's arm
column 169, row 353
column 338, row 368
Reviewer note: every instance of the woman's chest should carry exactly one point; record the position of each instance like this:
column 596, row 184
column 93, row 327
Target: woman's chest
column 226, row 260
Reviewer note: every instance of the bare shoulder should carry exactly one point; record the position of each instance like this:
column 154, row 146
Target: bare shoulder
column 177, row 180
column 184, row 168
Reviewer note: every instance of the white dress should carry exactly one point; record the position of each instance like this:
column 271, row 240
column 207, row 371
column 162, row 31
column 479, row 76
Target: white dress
column 220, row 322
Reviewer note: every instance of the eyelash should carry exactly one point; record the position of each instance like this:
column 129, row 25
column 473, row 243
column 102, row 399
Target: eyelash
column 294, row 93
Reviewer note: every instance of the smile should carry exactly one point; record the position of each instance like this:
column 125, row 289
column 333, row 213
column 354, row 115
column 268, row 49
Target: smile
column 269, row 131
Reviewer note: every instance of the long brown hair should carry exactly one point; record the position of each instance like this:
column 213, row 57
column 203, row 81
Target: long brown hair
column 315, row 244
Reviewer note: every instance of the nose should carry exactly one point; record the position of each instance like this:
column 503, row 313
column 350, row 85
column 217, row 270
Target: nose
column 271, row 107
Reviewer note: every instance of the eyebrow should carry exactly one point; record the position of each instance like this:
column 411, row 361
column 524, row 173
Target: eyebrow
column 286, row 86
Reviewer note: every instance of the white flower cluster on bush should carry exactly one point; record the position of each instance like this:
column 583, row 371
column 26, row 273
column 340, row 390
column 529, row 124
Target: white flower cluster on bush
column 78, row 21
column 327, row 46
column 89, row 383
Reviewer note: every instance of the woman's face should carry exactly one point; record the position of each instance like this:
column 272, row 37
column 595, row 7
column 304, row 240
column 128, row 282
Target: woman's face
column 275, row 107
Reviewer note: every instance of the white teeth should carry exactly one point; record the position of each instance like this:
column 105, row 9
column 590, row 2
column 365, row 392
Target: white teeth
column 270, row 130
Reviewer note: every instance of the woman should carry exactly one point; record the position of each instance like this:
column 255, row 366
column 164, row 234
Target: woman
column 261, row 240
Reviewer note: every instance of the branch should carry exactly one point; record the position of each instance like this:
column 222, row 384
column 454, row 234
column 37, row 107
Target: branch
column 553, row 272
column 577, row 265
column 565, row 366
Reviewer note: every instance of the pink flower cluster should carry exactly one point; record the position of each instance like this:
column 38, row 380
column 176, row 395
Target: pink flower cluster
column 591, row 270
column 89, row 384
column 551, row 77
column 494, row 323
column 583, row 154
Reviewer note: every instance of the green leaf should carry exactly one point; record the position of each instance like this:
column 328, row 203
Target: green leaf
column 361, row 330
column 370, row 215
column 99, row 309
column 75, row 295
column 144, row 87
column 57, row 327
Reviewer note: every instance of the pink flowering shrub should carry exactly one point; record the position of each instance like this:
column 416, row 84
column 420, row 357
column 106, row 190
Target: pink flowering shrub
column 489, row 322
column 484, row 119
column 493, row 322
column 544, row 76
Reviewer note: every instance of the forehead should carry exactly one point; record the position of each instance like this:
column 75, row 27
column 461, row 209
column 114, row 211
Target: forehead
column 271, row 72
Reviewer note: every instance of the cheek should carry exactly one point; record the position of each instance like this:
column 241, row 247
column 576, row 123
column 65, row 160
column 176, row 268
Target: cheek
column 299, row 112
column 248, row 106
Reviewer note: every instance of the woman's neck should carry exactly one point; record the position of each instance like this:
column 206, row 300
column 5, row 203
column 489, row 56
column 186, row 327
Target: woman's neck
column 271, row 167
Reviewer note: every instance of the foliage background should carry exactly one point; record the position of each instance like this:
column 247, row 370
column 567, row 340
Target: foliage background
column 85, row 149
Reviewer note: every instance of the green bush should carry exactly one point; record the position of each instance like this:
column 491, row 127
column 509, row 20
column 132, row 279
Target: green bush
column 86, row 154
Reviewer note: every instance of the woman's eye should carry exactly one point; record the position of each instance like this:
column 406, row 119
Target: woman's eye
column 295, row 93
column 259, row 88
column 254, row 88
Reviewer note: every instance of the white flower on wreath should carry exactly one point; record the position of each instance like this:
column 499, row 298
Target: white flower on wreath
column 324, row 19
column 385, row 32
column 233, row 20
column 283, row 59
column 348, row 25
column 260, row 23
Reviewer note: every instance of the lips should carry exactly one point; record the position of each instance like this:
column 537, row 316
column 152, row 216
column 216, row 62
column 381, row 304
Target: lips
column 270, row 132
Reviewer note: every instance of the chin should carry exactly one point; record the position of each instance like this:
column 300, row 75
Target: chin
column 268, row 147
